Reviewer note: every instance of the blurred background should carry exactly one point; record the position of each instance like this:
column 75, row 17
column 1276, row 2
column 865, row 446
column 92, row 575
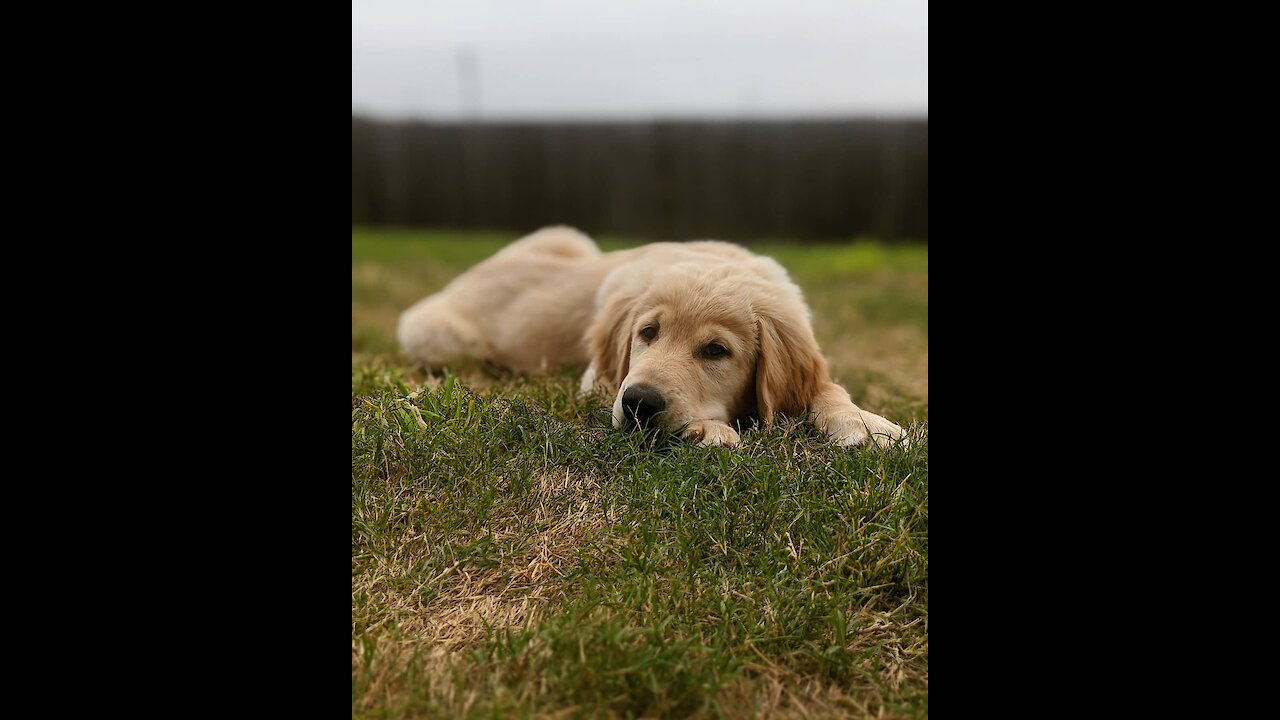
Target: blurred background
column 744, row 120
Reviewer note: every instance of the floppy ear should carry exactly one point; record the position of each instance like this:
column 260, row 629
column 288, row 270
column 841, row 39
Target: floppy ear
column 790, row 368
column 609, row 340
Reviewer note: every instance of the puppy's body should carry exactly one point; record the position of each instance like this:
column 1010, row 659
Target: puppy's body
column 525, row 308
column 688, row 337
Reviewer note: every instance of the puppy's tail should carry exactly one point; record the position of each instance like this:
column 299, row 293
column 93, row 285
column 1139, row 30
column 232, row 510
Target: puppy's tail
column 559, row 240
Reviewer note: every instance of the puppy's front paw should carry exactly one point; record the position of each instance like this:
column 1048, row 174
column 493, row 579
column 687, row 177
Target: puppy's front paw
column 852, row 428
column 712, row 433
column 588, row 382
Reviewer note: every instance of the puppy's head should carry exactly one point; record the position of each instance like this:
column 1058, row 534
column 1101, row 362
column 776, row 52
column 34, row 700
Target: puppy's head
column 706, row 343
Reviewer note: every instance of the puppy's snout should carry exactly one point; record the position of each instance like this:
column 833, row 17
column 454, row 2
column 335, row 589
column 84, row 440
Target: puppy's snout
column 642, row 404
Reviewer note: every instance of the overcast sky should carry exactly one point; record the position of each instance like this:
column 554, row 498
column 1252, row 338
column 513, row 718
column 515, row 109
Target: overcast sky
column 653, row 58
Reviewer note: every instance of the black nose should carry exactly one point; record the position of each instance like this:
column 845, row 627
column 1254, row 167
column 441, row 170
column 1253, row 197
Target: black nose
column 642, row 404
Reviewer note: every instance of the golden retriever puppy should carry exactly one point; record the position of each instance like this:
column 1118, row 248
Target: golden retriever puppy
column 689, row 338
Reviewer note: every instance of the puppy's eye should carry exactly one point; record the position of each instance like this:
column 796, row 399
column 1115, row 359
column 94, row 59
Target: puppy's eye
column 715, row 350
column 649, row 333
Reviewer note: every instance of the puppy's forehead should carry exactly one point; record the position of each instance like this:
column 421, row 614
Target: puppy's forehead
column 687, row 298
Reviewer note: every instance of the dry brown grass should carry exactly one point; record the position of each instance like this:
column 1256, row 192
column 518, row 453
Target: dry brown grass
column 900, row 659
column 897, row 358
column 467, row 604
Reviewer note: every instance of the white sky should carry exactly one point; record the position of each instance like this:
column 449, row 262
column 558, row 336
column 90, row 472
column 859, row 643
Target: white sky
column 628, row 59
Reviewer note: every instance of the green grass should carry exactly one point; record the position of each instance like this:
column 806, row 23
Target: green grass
column 514, row 556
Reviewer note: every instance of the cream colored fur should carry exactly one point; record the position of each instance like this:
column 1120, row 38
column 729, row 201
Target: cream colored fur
column 552, row 299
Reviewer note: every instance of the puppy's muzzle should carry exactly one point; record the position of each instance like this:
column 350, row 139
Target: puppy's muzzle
column 642, row 404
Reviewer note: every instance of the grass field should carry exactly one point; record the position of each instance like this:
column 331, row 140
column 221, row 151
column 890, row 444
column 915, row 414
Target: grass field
column 514, row 556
